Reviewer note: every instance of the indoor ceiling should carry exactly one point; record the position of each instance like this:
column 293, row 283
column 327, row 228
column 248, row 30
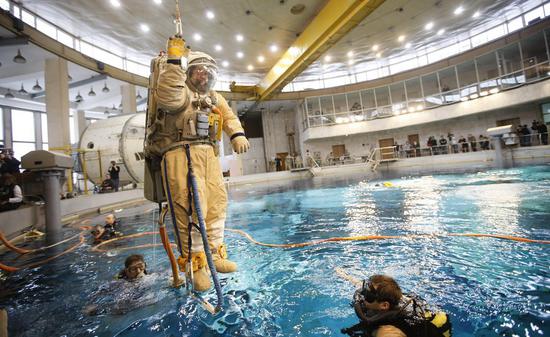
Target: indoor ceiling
column 261, row 24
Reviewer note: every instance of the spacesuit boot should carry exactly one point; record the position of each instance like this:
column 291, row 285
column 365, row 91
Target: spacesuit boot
column 201, row 277
column 223, row 265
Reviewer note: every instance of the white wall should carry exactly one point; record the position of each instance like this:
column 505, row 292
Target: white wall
column 276, row 126
column 254, row 159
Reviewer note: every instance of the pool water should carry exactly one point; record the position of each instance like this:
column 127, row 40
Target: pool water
column 489, row 287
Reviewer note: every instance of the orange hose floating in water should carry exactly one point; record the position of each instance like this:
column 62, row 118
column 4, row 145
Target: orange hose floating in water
column 381, row 237
column 503, row 237
column 12, row 247
column 41, row 262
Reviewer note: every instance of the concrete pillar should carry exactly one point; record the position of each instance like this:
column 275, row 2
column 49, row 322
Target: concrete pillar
column 52, row 192
column 129, row 104
column 8, row 135
column 499, row 159
column 79, row 123
column 38, row 130
column 57, row 102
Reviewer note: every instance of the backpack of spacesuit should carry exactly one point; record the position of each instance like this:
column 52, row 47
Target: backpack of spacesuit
column 153, row 188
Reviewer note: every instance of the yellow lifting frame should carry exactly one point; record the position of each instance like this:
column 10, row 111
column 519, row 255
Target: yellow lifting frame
column 333, row 22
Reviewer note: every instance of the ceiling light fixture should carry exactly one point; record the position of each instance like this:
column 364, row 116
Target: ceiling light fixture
column 239, row 37
column 441, row 31
column 138, row 97
column 197, row 37
column 115, row 3
column 22, row 91
column 144, row 28
column 158, row 2
column 92, row 92
column 210, row 15
column 459, row 10
column 37, row 87
column 114, row 108
column 401, row 38
column 379, row 55
column 327, row 58
column 19, row 58
column 240, row 54
column 78, row 98
column 261, row 58
column 350, row 53
column 225, row 64
column 476, row 14
column 408, row 45
column 273, row 48
column 8, row 94
column 250, row 67
column 375, row 47
column 350, row 62
column 218, row 47
column 429, row 26
column 105, row 88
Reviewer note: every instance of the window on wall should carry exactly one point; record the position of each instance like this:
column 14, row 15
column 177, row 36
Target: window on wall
column 466, row 73
column 398, row 93
column 326, row 105
column 382, row 96
column 23, row 135
column 367, row 96
column 546, row 112
column 340, row 104
column 533, row 49
column 509, row 63
column 487, row 67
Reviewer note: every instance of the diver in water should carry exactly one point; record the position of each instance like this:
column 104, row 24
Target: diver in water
column 132, row 288
column 134, row 268
column 384, row 312
column 108, row 231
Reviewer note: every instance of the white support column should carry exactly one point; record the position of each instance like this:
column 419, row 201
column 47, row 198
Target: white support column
column 57, row 102
column 8, row 134
column 129, row 104
column 38, row 130
column 79, row 123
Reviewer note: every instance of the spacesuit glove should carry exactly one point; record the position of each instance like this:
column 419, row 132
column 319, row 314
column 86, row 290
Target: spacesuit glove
column 175, row 48
column 240, row 144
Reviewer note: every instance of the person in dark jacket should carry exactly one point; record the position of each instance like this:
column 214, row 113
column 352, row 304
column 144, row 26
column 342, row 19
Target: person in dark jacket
column 114, row 171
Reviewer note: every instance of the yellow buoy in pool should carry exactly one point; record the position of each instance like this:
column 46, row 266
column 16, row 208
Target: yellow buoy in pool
column 388, row 184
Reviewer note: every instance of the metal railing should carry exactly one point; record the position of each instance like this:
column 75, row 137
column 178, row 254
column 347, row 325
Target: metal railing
column 326, row 116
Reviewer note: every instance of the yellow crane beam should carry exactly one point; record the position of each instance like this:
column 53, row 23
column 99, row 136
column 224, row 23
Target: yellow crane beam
column 333, row 22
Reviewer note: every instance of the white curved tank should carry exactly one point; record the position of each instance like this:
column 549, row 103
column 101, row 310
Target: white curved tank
column 117, row 138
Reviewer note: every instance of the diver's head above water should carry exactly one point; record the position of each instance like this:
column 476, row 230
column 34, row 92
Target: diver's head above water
column 135, row 268
column 378, row 294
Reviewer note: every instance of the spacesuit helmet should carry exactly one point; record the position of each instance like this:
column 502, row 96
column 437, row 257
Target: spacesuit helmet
column 202, row 71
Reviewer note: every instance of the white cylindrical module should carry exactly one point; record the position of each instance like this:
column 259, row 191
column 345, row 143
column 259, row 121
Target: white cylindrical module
column 117, row 138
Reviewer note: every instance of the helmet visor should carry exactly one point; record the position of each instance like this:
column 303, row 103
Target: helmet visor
column 203, row 77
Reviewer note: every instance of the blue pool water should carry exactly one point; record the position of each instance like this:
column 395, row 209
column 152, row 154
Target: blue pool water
column 489, row 287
